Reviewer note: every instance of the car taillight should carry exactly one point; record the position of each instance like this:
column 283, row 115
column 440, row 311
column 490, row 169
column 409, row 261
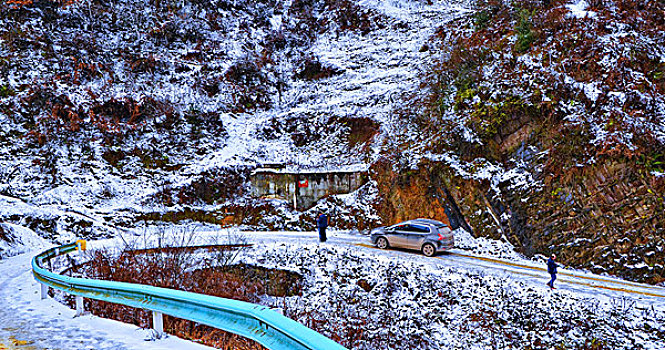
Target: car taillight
column 440, row 237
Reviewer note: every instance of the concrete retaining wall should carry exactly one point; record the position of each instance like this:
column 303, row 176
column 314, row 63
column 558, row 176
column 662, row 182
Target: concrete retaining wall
column 304, row 189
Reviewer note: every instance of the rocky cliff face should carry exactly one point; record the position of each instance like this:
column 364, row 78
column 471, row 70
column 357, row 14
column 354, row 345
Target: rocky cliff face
column 546, row 123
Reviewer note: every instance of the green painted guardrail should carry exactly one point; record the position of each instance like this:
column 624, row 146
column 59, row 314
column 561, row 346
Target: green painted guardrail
column 260, row 323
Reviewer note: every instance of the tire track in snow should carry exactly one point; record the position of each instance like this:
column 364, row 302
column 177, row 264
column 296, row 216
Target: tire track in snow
column 588, row 282
column 622, row 285
column 569, row 277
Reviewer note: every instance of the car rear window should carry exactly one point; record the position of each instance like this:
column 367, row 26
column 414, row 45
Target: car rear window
column 419, row 228
column 436, row 223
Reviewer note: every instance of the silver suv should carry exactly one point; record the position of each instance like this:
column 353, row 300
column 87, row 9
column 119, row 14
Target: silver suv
column 428, row 236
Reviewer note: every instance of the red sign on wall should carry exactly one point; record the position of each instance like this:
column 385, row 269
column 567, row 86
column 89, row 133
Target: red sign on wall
column 303, row 183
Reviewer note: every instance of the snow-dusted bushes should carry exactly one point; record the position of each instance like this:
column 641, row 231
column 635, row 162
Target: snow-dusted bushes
column 382, row 302
column 251, row 84
column 173, row 264
column 215, row 187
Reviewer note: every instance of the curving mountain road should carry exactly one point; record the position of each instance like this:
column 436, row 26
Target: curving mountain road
column 27, row 322
column 566, row 279
column 521, row 268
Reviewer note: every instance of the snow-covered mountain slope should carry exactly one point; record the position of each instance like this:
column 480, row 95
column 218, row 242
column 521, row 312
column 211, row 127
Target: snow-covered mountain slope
column 122, row 108
column 15, row 239
column 538, row 122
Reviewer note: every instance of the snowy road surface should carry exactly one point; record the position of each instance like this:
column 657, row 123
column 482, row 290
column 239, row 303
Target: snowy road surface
column 566, row 279
column 27, row 322
column 515, row 266
column 30, row 323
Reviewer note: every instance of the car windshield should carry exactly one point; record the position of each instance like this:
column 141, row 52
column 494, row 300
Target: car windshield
column 399, row 226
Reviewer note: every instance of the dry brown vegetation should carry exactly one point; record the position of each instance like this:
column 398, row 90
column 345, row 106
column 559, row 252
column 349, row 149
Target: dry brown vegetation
column 312, row 69
column 173, row 268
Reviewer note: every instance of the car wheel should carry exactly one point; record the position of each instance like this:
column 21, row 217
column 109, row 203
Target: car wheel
column 428, row 249
column 382, row 243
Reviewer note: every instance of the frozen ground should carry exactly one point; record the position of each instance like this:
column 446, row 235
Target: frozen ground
column 431, row 300
column 47, row 324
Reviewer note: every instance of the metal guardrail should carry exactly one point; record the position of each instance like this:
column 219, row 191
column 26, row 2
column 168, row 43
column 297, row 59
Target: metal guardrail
column 256, row 322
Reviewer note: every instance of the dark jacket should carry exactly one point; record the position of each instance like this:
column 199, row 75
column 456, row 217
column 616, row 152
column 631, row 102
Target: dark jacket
column 551, row 266
column 322, row 221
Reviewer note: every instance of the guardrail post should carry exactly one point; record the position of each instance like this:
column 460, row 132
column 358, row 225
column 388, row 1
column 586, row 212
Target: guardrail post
column 79, row 306
column 44, row 290
column 158, row 323
column 80, row 246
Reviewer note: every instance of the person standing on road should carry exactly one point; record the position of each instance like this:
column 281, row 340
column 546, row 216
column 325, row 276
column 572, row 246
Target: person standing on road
column 322, row 224
column 551, row 268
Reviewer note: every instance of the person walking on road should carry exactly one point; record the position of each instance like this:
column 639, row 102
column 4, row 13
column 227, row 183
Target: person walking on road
column 551, row 268
column 322, row 224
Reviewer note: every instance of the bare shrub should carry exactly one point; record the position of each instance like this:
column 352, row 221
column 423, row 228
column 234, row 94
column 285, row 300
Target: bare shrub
column 5, row 234
column 168, row 265
column 250, row 84
column 225, row 257
column 125, row 111
column 310, row 68
column 350, row 16
column 146, row 64
column 210, row 121
column 361, row 130
column 214, row 186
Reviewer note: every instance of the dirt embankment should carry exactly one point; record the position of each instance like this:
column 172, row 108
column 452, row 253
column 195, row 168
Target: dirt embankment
column 606, row 217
